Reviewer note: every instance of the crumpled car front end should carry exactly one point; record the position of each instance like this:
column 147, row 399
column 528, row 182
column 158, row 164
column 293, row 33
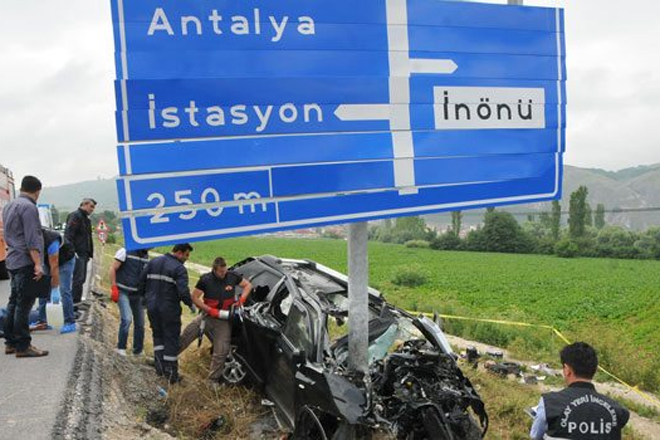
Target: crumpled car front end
column 415, row 389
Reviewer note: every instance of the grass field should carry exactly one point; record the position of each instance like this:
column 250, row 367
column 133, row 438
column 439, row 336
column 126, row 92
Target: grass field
column 609, row 303
column 612, row 304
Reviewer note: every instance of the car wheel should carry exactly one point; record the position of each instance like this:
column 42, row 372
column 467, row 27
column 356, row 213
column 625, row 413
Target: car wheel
column 471, row 430
column 235, row 371
column 436, row 429
column 309, row 426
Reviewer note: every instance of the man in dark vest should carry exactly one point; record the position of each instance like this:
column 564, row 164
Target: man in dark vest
column 79, row 232
column 578, row 411
column 125, row 279
column 165, row 285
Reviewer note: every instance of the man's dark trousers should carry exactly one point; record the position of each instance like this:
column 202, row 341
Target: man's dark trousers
column 79, row 277
column 165, row 323
column 17, row 325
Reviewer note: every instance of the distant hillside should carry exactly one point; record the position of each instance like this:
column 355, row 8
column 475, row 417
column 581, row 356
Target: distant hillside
column 627, row 173
column 630, row 188
column 637, row 187
column 68, row 197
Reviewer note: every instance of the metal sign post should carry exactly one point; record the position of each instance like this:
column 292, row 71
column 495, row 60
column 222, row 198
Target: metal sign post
column 358, row 297
column 358, row 281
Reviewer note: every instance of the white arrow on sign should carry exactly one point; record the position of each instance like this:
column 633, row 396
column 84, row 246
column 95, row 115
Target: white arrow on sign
column 433, row 66
column 401, row 68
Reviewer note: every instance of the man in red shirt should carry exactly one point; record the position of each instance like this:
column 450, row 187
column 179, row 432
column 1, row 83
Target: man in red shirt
column 216, row 296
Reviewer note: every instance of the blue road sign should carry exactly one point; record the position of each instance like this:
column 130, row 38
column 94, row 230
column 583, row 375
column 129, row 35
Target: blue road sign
column 235, row 118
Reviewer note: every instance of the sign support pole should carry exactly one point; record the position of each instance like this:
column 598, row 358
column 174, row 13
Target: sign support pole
column 358, row 297
column 358, row 294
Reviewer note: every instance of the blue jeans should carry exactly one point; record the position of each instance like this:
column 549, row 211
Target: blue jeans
column 21, row 300
column 66, row 284
column 131, row 310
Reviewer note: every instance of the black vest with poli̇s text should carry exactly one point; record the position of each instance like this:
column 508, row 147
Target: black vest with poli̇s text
column 579, row 412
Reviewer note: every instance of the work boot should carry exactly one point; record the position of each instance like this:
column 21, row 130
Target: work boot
column 171, row 372
column 31, row 352
column 9, row 349
column 158, row 362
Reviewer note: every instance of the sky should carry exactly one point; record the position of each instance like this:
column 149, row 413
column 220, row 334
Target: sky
column 57, row 98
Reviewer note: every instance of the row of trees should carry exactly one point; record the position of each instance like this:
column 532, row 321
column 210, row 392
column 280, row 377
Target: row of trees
column 586, row 234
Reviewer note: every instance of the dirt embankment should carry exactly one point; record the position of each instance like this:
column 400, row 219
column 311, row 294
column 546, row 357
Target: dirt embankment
column 109, row 397
column 117, row 398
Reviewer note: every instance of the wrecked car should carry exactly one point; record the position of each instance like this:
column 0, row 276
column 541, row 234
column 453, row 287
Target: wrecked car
column 292, row 343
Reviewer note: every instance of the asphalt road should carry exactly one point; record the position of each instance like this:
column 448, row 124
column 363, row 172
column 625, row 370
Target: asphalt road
column 31, row 390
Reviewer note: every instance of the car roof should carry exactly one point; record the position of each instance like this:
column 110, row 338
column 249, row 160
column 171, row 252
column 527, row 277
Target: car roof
column 281, row 263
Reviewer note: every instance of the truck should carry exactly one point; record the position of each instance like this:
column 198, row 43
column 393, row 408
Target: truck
column 7, row 194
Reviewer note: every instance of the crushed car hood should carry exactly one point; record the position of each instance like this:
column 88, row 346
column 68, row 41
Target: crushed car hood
column 413, row 376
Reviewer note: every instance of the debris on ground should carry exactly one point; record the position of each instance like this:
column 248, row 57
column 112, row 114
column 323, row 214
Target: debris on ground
column 503, row 368
column 497, row 354
column 545, row 369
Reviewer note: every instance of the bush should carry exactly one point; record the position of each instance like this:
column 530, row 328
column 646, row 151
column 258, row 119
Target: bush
column 475, row 241
column 111, row 239
column 446, row 242
column 566, row 248
column 419, row 244
column 409, row 278
column 501, row 233
column 648, row 245
column 545, row 246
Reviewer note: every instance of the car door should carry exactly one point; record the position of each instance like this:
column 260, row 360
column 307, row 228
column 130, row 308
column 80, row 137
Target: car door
column 257, row 335
column 292, row 346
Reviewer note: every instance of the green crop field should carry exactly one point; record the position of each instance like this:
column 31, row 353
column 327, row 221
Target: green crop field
column 612, row 304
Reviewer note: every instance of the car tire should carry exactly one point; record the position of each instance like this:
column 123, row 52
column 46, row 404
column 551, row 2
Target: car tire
column 472, row 430
column 345, row 431
column 436, row 429
column 308, row 426
column 235, row 371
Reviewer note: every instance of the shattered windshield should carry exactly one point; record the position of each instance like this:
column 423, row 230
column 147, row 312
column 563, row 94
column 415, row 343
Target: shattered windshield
column 390, row 341
column 383, row 340
column 316, row 283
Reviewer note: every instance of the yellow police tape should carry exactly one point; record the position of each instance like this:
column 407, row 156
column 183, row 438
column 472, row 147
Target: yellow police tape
column 635, row 389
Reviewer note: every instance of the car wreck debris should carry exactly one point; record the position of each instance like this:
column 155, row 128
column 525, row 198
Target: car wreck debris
column 292, row 344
